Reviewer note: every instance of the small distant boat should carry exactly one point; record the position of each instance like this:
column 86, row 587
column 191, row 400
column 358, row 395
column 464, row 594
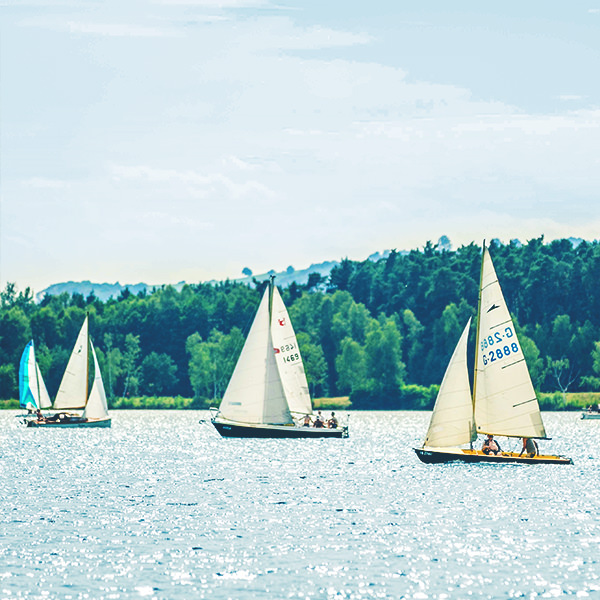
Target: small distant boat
column 593, row 412
column 267, row 395
column 33, row 394
column 73, row 391
column 503, row 402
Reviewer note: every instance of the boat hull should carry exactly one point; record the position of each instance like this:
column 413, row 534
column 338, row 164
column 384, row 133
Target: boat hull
column 439, row 455
column 246, row 430
column 590, row 415
column 70, row 423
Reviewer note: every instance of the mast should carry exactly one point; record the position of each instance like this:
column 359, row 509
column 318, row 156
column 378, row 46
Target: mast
column 37, row 378
column 87, row 362
column 477, row 332
column 271, row 285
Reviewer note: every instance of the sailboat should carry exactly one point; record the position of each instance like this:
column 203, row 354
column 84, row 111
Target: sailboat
column 73, row 391
column 503, row 401
column 33, row 394
column 267, row 395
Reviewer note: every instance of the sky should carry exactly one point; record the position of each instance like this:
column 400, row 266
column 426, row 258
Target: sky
column 161, row 141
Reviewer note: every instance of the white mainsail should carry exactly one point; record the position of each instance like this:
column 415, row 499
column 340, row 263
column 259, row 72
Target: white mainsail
column 452, row 418
column 43, row 396
column 255, row 393
column 289, row 360
column 96, row 408
column 72, row 392
column 505, row 401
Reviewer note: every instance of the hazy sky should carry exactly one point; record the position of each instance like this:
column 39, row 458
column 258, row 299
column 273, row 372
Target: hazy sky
column 171, row 140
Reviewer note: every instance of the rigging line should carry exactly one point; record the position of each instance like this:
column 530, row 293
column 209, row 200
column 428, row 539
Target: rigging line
column 525, row 402
column 485, row 287
column 512, row 364
column 500, row 324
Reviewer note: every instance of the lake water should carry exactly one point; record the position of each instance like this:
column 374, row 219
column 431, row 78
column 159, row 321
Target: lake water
column 159, row 506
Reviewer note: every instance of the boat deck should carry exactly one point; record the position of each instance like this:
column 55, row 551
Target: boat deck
column 444, row 455
column 249, row 430
column 69, row 421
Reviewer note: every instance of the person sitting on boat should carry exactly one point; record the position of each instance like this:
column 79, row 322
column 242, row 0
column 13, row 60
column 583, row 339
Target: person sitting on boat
column 333, row 422
column 40, row 417
column 306, row 422
column 490, row 445
column 319, row 421
column 530, row 447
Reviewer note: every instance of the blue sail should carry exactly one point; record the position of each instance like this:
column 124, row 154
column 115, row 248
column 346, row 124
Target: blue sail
column 25, row 394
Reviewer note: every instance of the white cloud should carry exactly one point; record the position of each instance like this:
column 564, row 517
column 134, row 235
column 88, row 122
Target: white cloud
column 161, row 219
column 196, row 183
column 45, row 183
column 117, row 29
column 213, row 4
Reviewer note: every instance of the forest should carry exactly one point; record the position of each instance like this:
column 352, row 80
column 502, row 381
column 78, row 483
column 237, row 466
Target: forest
column 379, row 331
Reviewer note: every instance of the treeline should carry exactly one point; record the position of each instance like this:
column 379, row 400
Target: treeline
column 380, row 331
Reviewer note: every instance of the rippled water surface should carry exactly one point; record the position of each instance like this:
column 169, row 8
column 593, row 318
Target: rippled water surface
column 159, row 506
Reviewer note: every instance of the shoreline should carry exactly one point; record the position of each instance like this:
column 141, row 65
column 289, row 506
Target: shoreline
column 549, row 402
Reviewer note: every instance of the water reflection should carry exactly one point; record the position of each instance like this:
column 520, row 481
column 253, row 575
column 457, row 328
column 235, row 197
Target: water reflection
column 159, row 506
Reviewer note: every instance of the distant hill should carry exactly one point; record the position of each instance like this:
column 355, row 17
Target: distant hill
column 104, row 291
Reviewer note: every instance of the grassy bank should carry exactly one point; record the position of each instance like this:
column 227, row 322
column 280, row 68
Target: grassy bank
column 9, row 404
column 555, row 401
column 178, row 402
column 575, row 401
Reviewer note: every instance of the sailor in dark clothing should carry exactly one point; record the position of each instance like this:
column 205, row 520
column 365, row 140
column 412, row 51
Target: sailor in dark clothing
column 319, row 421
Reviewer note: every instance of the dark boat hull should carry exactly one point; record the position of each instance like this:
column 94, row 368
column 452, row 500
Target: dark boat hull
column 437, row 456
column 69, row 423
column 239, row 430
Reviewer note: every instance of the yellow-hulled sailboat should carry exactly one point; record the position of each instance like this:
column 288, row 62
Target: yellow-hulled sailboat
column 503, row 401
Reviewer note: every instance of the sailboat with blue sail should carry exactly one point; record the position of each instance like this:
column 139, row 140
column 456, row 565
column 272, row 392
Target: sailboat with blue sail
column 73, row 391
column 33, row 394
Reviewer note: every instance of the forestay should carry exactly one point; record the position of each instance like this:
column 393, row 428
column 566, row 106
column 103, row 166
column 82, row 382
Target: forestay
column 97, row 407
column 289, row 360
column 72, row 392
column 505, row 401
column 452, row 418
column 255, row 393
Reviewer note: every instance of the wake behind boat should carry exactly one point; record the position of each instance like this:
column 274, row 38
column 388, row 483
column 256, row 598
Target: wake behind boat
column 73, row 391
column 503, row 402
column 267, row 395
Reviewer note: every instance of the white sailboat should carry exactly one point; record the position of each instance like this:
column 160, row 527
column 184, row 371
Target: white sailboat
column 268, row 387
column 33, row 394
column 73, row 391
column 503, row 402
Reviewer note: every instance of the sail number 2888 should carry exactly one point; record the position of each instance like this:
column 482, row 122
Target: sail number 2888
column 496, row 338
column 499, row 353
column 502, row 347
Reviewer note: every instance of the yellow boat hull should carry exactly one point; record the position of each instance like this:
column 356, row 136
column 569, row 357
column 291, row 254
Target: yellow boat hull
column 445, row 455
